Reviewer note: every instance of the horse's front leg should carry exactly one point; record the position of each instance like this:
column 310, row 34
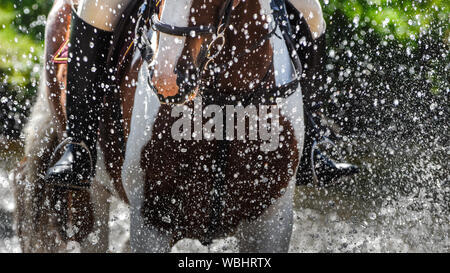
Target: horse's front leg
column 146, row 107
column 271, row 232
column 145, row 239
column 98, row 239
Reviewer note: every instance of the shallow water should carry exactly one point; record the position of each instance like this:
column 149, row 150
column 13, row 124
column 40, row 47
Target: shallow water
column 401, row 207
column 8, row 159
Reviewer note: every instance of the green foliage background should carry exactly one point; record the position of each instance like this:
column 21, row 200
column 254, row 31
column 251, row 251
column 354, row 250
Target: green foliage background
column 382, row 52
column 22, row 26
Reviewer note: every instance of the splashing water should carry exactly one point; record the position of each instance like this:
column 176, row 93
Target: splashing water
column 364, row 214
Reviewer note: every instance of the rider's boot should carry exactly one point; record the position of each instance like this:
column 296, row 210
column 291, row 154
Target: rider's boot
column 88, row 48
column 315, row 166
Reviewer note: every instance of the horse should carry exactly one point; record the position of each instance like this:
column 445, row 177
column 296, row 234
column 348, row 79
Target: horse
column 193, row 187
column 208, row 188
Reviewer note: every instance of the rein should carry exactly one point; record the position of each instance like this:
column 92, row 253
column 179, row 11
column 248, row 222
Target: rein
column 157, row 25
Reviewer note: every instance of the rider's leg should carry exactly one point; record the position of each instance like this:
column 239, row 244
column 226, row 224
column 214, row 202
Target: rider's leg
column 102, row 14
column 325, row 171
column 88, row 48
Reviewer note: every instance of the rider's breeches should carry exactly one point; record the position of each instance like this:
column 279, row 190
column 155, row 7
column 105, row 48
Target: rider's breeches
column 312, row 11
column 103, row 14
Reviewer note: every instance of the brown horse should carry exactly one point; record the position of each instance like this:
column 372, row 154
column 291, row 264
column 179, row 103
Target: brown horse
column 193, row 187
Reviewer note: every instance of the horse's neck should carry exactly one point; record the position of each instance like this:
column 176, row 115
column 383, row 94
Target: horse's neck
column 250, row 68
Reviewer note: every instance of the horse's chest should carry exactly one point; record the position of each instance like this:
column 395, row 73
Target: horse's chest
column 191, row 187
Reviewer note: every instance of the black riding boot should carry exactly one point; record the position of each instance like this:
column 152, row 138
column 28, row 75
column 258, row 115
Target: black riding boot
column 315, row 166
column 88, row 48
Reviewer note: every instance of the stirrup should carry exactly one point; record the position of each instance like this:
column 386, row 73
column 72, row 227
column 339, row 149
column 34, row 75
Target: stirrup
column 68, row 141
column 323, row 140
column 314, row 148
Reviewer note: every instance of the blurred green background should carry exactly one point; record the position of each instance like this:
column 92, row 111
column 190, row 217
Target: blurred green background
column 382, row 56
column 22, row 26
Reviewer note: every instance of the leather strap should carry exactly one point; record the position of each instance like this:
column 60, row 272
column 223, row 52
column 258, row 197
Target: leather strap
column 261, row 96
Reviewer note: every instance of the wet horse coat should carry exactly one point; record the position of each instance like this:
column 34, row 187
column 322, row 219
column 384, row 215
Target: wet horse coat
column 172, row 186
